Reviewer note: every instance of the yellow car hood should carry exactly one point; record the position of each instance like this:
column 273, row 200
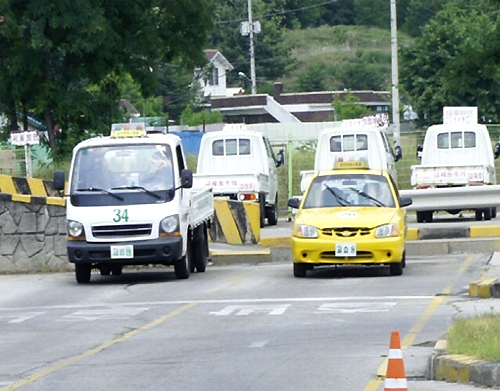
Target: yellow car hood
column 347, row 217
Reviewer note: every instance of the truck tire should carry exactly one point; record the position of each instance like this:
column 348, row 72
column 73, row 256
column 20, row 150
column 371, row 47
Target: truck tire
column 487, row 214
column 420, row 217
column 82, row 272
column 272, row 213
column 493, row 212
column 262, row 207
column 183, row 266
column 200, row 249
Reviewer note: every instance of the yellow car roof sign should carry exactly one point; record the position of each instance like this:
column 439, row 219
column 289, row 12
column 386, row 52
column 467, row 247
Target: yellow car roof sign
column 128, row 130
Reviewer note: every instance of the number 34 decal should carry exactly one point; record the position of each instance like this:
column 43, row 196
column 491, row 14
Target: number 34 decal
column 120, row 214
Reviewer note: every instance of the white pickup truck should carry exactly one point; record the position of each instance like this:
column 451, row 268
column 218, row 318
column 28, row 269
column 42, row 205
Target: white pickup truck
column 368, row 143
column 240, row 164
column 454, row 156
column 131, row 202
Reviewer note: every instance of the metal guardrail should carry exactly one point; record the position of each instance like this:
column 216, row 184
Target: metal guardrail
column 449, row 198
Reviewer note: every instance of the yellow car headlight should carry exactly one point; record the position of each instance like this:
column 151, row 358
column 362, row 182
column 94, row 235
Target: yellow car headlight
column 305, row 231
column 387, row 231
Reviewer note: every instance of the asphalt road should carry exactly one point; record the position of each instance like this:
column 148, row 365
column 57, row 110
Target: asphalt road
column 238, row 327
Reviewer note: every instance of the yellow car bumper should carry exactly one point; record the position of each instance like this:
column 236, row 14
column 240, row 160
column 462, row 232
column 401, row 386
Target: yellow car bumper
column 369, row 251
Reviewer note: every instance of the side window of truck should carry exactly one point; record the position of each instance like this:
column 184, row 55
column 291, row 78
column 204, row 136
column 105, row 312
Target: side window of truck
column 269, row 149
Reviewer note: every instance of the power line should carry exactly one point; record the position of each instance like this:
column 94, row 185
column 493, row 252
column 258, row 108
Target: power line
column 280, row 13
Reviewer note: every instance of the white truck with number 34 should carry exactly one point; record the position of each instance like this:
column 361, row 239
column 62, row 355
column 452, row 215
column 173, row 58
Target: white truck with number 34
column 131, row 202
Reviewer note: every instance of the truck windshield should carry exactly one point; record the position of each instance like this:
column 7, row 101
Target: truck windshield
column 142, row 168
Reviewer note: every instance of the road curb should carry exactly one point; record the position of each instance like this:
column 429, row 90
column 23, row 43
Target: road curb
column 458, row 368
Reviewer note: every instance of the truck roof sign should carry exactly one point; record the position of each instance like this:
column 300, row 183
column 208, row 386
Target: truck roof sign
column 128, row 130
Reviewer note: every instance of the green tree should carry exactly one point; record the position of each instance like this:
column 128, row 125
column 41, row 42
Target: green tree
column 449, row 64
column 61, row 59
column 191, row 117
column 348, row 108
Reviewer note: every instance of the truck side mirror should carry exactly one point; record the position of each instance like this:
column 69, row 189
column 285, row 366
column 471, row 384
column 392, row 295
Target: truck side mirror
column 496, row 150
column 419, row 152
column 59, row 180
column 186, row 178
column 280, row 158
column 398, row 155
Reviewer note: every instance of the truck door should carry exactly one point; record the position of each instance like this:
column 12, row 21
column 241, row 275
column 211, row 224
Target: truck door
column 182, row 193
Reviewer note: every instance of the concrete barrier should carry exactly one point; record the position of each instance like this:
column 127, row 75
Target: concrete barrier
column 235, row 222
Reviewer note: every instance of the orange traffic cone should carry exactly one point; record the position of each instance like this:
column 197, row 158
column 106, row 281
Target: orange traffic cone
column 395, row 379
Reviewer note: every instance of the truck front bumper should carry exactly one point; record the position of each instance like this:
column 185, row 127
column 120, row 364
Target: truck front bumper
column 161, row 251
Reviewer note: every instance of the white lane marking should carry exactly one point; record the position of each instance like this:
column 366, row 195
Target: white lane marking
column 259, row 344
column 102, row 314
column 351, row 308
column 19, row 318
column 250, row 309
column 229, row 301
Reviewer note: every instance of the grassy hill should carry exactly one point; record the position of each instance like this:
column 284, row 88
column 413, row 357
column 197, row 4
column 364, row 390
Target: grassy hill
column 338, row 57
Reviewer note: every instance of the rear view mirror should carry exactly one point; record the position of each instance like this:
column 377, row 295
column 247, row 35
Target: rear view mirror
column 419, row 152
column 496, row 150
column 59, row 180
column 280, row 158
column 294, row 202
column 186, row 178
column 398, row 153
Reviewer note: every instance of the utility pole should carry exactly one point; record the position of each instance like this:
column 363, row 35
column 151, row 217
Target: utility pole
column 252, row 54
column 395, row 80
column 250, row 28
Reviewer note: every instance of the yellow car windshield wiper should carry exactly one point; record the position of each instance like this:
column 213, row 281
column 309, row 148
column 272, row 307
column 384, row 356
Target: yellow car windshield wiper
column 368, row 196
column 342, row 201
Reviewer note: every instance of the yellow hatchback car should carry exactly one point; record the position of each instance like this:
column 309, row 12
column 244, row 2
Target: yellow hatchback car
column 349, row 216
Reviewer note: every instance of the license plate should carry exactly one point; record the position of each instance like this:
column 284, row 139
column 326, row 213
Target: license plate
column 120, row 252
column 345, row 249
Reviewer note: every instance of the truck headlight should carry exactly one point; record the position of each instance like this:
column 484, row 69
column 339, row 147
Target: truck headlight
column 169, row 226
column 387, row 231
column 305, row 231
column 75, row 230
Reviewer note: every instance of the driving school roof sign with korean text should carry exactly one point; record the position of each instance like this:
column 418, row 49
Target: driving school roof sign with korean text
column 462, row 115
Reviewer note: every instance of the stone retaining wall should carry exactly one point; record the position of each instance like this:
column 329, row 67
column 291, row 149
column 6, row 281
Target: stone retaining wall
column 32, row 236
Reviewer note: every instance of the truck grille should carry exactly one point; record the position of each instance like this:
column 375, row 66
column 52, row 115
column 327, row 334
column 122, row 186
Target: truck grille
column 109, row 231
column 346, row 232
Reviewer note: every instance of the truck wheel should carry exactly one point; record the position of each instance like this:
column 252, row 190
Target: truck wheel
column 262, row 205
column 428, row 216
column 487, row 214
column 396, row 269
column 82, row 272
column 420, row 217
column 299, row 270
column 494, row 212
column 272, row 215
column 183, row 266
column 200, row 249
column 479, row 214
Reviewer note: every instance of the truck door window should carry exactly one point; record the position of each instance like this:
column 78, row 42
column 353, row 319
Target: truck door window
column 180, row 158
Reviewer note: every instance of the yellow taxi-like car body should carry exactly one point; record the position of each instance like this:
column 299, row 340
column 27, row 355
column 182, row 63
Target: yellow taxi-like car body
column 349, row 216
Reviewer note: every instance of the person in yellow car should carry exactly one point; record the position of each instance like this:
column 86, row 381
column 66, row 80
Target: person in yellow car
column 349, row 215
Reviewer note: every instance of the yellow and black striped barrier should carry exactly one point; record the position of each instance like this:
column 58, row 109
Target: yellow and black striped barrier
column 235, row 222
column 30, row 190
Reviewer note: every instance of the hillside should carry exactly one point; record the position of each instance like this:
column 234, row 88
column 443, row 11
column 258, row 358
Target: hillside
column 338, row 57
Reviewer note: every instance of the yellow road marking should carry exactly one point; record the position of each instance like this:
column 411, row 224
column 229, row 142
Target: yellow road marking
column 72, row 360
column 408, row 340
